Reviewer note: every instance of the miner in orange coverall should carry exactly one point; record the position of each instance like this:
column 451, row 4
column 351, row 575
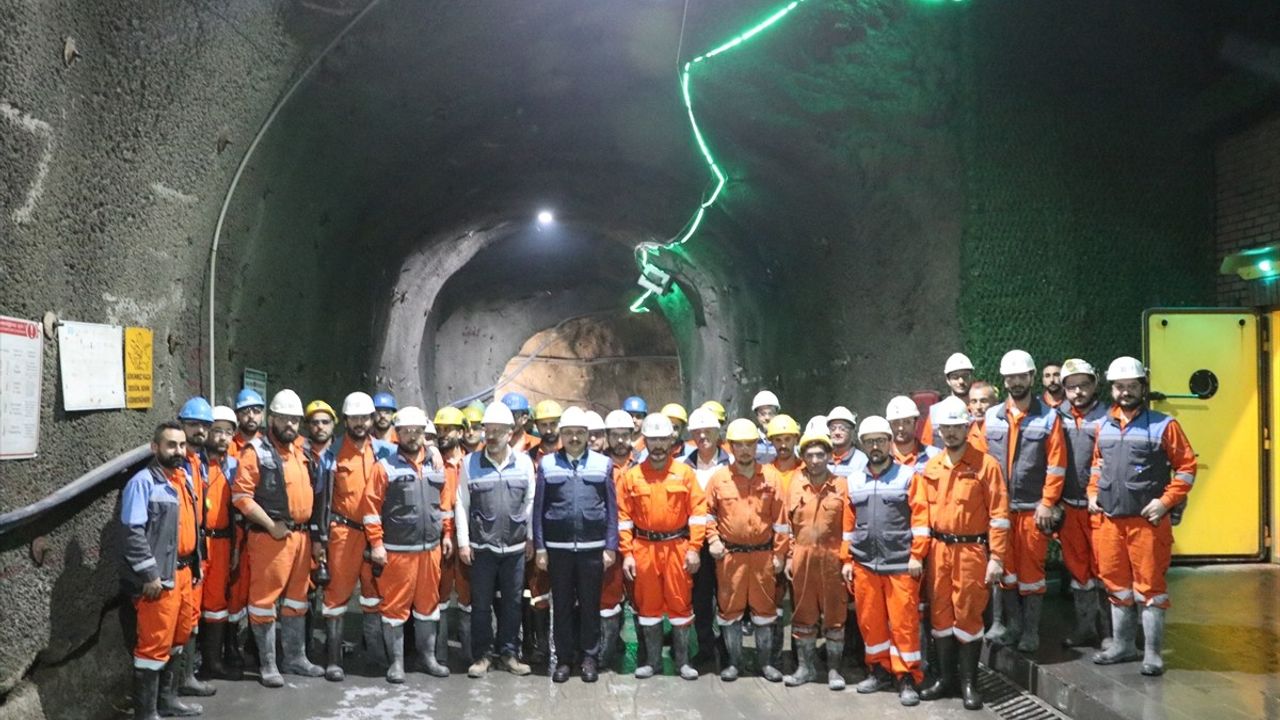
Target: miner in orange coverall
column 221, row 597
column 783, row 433
column 662, row 522
column 619, row 429
column 451, row 426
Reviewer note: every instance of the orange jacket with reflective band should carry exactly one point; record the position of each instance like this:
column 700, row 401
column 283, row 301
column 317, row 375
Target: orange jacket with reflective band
column 1176, row 446
column 217, row 498
column 968, row 498
column 813, row 524
column 297, row 481
column 917, row 501
column 1055, row 449
column 746, row 510
column 376, row 492
column 353, row 468
column 783, row 478
column 661, row 501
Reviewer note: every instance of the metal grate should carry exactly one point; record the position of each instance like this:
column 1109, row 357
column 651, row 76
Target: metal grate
column 1010, row 702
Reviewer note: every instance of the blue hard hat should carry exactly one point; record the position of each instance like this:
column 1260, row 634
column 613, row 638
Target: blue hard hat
column 249, row 398
column 197, row 408
column 516, row 402
column 384, row 401
column 635, row 404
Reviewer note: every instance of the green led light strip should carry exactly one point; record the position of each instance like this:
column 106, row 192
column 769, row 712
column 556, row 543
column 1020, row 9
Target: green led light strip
column 643, row 251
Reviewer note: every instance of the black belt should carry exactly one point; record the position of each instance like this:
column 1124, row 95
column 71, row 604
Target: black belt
column 950, row 539
column 291, row 525
column 735, row 548
column 652, row 536
column 187, row 561
column 225, row 533
column 343, row 520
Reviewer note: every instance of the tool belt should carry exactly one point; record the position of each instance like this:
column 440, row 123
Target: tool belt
column 736, row 548
column 291, row 525
column 225, row 533
column 652, row 536
column 344, row 520
column 187, row 561
column 950, row 539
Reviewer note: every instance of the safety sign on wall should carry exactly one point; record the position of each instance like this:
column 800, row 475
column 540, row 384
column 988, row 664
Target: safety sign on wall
column 137, row 368
column 256, row 380
column 91, row 358
column 21, row 365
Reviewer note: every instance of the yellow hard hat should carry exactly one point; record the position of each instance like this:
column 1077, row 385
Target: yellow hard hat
column 741, row 430
column 449, row 415
column 783, row 425
column 474, row 413
column 676, row 411
column 811, row 438
column 547, row 410
column 716, row 408
column 316, row 406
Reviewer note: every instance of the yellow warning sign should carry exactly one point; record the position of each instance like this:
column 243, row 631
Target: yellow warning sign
column 137, row 368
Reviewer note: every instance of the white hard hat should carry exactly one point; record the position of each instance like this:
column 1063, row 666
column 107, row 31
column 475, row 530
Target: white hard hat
column 656, row 425
column 357, row 403
column 703, row 419
column 841, row 412
column 900, row 408
column 498, row 414
column 1126, row 368
column 411, row 416
column 874, row 425
column 574, row 416
column 286, row 402
column 619, row 420
column 817, row 425
column 764, row 398
column 223, row 412
column 956, row 363
column 1076, row 366
column 1016, row 362
column 951, row 411
column 594, row 421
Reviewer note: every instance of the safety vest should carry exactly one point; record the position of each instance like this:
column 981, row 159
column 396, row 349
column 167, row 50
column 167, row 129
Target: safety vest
column 881, row 540
column 1080, row 442
column 271, row 494
column 151, row 546
column 575, row 507
column 1030, row 458
column 1135, row 468
column 497, row 520
column 412, row 520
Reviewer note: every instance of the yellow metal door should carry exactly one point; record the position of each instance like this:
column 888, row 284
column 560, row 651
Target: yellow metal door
column 1207, row 364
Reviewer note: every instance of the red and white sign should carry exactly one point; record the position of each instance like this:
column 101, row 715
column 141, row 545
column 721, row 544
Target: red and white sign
column 21, row 375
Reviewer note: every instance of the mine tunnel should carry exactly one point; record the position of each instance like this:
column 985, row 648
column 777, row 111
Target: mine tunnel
column 584, row 200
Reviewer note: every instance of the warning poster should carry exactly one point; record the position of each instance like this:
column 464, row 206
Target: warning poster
column 21, row 365
column 137, row 368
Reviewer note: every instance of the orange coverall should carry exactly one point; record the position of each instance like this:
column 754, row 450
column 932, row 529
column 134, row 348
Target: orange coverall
column 353, row 468
column 613, row 590
column 278, row 568
column 661, row 500
column 816, row 518
column 166, row 622
column 747, row 515
column 222, row 600
column 454, row 573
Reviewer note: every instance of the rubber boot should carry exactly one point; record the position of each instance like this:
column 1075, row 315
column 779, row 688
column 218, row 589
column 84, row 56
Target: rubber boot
column 464, row 633
column 969, row 653
column 426, row 632
column 1153, row 634
column 1104, row 618
column 766, row 651
column 146, row 691
column 1124, row 641
column 778, row 641
column 264, row 636
column 167, row 701
column 680, row 650
column 835, row 658
column 442, row 635
column 1011, row 611
column 212, row 640
column 333, row 650
column 642, row 642
column 541, row 637
column 732, row 635
column 997, row 629
column 610, row 631
column 1085, row 631
column 187, row 683
column 944, row 677
column 375, row 651
column 1029, row 643
column 393, row 641
column 237, row 635
column 806, row 659
column 653, row 652
column 293, row 643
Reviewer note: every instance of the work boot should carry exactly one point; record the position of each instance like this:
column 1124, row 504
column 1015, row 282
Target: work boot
column 680, row 651
column 333, row 649
column 944, row 676
column 426, row 632
column 264, row 636
column 293, row 643
column 590, row 672
column 776, row 648
column 233, row 651
column 187, row 682
column 766, row 650
column 1124, row 641
column 1153, row 633
column 835, row 658
column 1104, row 617
column 442, row 633
column 146, row 691
column 907, row 694
column 542, row 637
column 1010, row 611
column 969, row 653
column 878, row 679
column 167, row 700
column 1085, row 631
column 393, row 644
column 375, row 649
column 652, row 636
column 479, row 668
column 610, row 631
column 464, row 633
column 211, row 641
column 732, row 636
column 806, row 659
column 512, row 664
column 1030, row 640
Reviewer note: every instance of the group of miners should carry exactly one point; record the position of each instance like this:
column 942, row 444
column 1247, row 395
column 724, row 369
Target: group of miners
column 882, row 533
